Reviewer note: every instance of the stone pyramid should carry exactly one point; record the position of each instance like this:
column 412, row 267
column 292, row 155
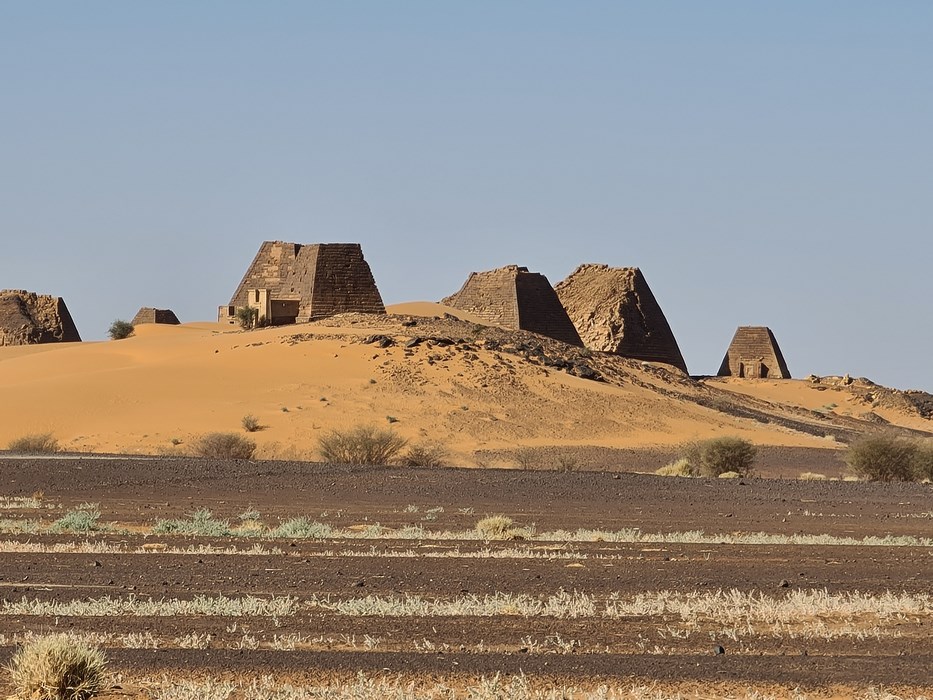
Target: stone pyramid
column 149, row 315
column 614, row 311
column 27, row 318
column 294, row 283
column 512, row 297
column 754, row 353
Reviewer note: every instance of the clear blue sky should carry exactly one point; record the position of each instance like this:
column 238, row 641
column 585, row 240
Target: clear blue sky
column 764, row 163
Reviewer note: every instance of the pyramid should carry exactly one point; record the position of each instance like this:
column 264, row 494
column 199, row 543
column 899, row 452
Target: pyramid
column 295, row 283
column 512, row 297
column 149, row 315
column 754, row 353
column 27, row 318
column 614, row 311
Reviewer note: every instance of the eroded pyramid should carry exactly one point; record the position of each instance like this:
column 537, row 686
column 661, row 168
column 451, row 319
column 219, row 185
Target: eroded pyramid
column 512, row 297
column 614, row 311
column 27, row 318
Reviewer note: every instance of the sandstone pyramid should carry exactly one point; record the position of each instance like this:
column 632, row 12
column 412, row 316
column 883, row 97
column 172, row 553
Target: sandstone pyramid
column 27, row 318
column 512, row 297
column 754, row 354
column 149, row 315
column 295, row 283
column 614, row 311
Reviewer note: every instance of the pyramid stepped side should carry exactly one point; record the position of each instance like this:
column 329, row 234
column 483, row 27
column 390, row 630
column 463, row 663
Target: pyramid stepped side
column 512, row 297
column 753, row 348
column 490, row 295
column 614, row 310
column 274, row 264
column 540, row 310
column 147, row 314
column 27, row 318
column 343, row 282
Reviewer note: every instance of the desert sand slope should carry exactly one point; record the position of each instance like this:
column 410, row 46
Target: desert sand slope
column 465, row 387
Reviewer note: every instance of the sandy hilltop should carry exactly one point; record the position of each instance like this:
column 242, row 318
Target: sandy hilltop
column 435, row 374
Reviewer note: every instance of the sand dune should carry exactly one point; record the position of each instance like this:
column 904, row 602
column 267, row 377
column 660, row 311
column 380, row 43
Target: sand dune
column 168, row 384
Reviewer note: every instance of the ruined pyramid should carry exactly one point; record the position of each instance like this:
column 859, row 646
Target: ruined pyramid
column 512, row 297
column 27, row 318
column 614, row 311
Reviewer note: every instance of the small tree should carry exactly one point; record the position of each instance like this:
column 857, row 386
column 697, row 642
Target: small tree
column 720, row 455
column 120, row 329
column 923, row 461
column 883, row 457
column 247, row 317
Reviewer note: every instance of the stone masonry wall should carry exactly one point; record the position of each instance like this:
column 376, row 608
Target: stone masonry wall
column 27, row 318
column 753, row 348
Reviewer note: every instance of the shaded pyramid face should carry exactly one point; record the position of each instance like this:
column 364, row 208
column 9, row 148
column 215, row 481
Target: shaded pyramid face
column 512, row 297
column 27, row 318
column 614, row 311
column 754, row 353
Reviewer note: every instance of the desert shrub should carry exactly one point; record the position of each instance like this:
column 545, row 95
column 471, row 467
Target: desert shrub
column 120, row 329
column 247, row 317
column 811, row 476
column 527, row 457
column 679, row 467
column 719, row 455
column 922, row 463
column 201, row 523
column 34, row 444
column 57, row 667
column 496, row 527
column 82, row 519
column 883, row 457
column 224, row 446
column 303, row 529
column 250, row 423
column 363, row 444
column 424, row 455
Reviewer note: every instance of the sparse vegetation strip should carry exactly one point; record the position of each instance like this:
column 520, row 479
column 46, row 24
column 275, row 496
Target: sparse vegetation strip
column 247, row 606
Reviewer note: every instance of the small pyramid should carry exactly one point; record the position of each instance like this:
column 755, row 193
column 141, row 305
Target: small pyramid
column 512, row 297
column 295, row 283
column 754, row 353
column 27, row 318
column 614, row 311
column 149, row 315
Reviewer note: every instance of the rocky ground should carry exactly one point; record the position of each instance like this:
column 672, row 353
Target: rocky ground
column 614, row 579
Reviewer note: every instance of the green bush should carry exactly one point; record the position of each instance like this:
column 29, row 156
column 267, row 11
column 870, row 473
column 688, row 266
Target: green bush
column 720, row 455
column 57, row 667
column 883, row 457
column 120, row 329
column 34, row 444
column 201, row 523
column 82, row 519
column 247, row 317
column 224, row 446
column 361, row 445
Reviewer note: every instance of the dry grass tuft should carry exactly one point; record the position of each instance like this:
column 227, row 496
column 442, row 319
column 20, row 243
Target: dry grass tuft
column 679, row 467
column 811, row 476
column 500, row 527
column 57, row 667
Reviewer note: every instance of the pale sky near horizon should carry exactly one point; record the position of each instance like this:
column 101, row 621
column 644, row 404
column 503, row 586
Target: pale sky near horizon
column 762, row 163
